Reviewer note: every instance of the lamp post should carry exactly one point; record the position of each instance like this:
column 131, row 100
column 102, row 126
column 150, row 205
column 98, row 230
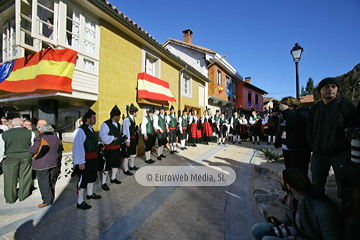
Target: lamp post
column 296, row 54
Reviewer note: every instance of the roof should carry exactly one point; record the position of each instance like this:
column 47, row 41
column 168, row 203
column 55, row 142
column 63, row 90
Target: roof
column 307, row 99
column 191, row 45
column 134, row 26
column 268, row 99
column 253, row 87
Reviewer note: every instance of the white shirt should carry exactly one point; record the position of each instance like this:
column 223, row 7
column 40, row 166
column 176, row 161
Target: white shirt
column 252, row 121
column 78, row 149
column 104, row 133
column 168, row 118
column 265, row 120
column 203, row 118
column 156, row 121
column 180, row 122
column 243, row 121
column 226, row 122
column 232, row 121
column 2, row 143
column 126, row 127
column 4, row 127
column 192, row 118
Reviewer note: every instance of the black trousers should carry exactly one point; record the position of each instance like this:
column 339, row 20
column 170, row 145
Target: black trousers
column 46, row 181
column 297, row 159
column 172, row 136
column 150, row 142
column 89, row 174
column 113, row 159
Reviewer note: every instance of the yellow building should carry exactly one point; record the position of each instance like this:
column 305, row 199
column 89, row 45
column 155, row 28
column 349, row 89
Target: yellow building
column 112, row 51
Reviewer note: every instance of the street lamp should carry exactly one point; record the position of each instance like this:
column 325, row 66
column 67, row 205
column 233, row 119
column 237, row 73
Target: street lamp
column 296, row 54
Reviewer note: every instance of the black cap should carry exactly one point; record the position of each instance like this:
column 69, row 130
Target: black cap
column 133, row 108
column 217, row 110
column 327, row 81
column 172, row 107
column 89, row 112
column 115, row 112
column 151, row 110
column 162, row 107
column 185, row 110
column 275, row 109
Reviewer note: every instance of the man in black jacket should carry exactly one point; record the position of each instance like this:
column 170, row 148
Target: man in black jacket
column 325, row 132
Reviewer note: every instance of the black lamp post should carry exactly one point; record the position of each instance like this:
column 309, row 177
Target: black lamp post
column 296, row 54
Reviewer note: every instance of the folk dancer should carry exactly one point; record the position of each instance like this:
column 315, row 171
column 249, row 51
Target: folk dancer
column 207, row 129
column 160, row 128
column 148, row 131
column 171, row 121
column 85, row 152
column 111, row 135
column 235, row 126
column 215, row 124
column 255, row 122
column 129, row 129
column 195, row 129
column 183, row 125
column 244, row 133
column 222, row 128
column 270, row 131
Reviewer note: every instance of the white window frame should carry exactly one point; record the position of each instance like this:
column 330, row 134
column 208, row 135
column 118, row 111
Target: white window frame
column 184, row 78
column 201, row 96
column 8, row 39
column 219, row 77
column 36, row 22
column 146, row 56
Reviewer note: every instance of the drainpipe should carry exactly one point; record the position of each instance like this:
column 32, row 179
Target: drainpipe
column 179, row 101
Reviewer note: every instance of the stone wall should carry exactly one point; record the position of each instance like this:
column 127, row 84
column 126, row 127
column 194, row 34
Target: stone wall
column 350, row 84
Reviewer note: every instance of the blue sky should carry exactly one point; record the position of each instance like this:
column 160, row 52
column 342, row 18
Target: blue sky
column 262, row 33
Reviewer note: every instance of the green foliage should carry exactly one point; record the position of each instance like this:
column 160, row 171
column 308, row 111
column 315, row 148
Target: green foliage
column 303, row 92
column 271, row 156
column 310, row 86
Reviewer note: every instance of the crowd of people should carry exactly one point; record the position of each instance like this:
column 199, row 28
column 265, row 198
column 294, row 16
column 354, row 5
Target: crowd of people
column 315, row 135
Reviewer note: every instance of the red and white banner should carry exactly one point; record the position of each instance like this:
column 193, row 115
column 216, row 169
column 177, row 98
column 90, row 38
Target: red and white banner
column 151, row 87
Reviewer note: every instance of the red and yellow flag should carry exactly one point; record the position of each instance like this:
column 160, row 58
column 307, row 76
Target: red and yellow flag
column 48, row 69
column 151, row 87
column 220, row 88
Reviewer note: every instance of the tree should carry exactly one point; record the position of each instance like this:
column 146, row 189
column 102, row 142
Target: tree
column 302, row 93
column 309, row 89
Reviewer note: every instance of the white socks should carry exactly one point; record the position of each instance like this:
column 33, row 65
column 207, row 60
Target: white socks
column 113, row 173
column 132, row 160
column 182, row 143
column 126, row 164
column 159, row 151
column 269, row 138
column 81, row 195
column 258, row 138
column 147, row 155
column 105, row 173
column 89, row 189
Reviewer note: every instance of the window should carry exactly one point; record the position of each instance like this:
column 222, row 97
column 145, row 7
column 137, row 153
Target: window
column 201, row 96
column 228, row 82
column 151, row 64
column 219, row 77
column 8, row 42
column 72, row 27
column 186, row 86
column 256, row 99
column 249, row 96
column 234, row 87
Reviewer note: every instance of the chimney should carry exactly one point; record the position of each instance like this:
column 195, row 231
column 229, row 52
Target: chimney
column 188, row 36
column 248, row 79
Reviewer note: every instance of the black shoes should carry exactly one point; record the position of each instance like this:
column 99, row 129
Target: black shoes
column 133, row 168
column 219, row 143
column 83, row 206
column 234, row 142
column 258, row 143
column 105, row 187
column 115, row 181
column 128, row 173
column 268, row 143
column 176, row 151
column 159, row 158
column 254, row 143
column 239, row 142
column 171, row 152
column 149, row 161
column 206, row 143
column 92, row 196
column 163, row 156
column 194, row 145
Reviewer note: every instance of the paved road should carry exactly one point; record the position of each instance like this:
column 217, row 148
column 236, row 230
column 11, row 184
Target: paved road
column 130, row 210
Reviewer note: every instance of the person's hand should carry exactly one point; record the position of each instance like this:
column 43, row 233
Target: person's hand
column 116, row 138
column 146, row 138
column 181, row 132
column 283, row 107
column 161, row 131
column 127, row 144
column 82, row 166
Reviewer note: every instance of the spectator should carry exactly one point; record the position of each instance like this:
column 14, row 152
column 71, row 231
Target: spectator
column 24, row 117
column 309, row 211
column 39, row 124
column 27, row 124
column 46, row 167
column 3, row 125
column 33, row 123
column 294, row 119
column 14, row 145
column 325, row 132
column 9, row 124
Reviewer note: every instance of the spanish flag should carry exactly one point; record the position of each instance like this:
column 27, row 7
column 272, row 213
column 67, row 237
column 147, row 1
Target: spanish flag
column 220, row 88
column 151, row 87
column 48, row 69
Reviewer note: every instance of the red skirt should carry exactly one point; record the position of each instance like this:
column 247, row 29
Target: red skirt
column 207, row 129
column 195, row 133
column 243, row 128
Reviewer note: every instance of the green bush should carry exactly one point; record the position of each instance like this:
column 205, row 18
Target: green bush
column 271, row 156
